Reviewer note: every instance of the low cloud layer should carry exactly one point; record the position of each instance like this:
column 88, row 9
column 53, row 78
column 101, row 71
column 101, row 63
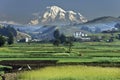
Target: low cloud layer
column 9, row 22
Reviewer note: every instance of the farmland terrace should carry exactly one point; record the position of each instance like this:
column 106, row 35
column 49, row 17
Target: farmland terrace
column 34, row 64
column 43, row 54
column 16, row 64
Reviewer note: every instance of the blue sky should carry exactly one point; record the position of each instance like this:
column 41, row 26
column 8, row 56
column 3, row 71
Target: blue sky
column 22, row 10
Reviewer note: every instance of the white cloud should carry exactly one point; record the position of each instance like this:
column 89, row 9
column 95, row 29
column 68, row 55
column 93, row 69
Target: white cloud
column 34, row 22
column 9, row 22
column 36, row 14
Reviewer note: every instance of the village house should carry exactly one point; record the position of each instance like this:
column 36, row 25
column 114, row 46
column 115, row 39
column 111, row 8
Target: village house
column 24, row 40
column 80, row 35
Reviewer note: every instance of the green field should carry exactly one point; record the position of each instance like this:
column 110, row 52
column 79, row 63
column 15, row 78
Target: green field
column 81, row 52
column 71, row 73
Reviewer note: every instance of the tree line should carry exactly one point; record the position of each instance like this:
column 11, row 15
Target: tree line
column 7, row 35
column 62, row 39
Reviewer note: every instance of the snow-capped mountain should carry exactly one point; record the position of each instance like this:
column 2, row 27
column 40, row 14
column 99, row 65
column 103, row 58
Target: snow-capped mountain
column 55, row 15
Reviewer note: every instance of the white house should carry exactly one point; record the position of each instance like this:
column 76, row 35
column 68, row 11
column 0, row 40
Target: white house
column 24, row 40
column 81, row 35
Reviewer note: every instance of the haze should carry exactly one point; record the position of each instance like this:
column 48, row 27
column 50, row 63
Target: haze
column 22, row 10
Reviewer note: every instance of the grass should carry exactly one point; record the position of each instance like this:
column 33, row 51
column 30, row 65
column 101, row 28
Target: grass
column 81, row 52
column 71, row 73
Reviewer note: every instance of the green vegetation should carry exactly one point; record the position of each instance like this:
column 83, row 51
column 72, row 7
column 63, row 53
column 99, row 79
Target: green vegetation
column 6, row 31
column 10, row 39
column 71, row 73
column 81, row 52
column 2, row 40
column 87, row 52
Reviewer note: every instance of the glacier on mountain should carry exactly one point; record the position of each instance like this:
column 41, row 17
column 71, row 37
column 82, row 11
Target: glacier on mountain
column 55, row 15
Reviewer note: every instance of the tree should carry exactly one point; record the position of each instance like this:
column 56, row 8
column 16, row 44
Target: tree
column 8, row 29
column 118, row 36
column 62, row 38
column 69, row 43
column 2, row 40
column 56, row 42
column 56, row 34
column 111, row 39
column 117, row 26
column 57, row 37
column 10, row 39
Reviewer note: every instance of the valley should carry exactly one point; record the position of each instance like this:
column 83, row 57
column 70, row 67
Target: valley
column 59, row 40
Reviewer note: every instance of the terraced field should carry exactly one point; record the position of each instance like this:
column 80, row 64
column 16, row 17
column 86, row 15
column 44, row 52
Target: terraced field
column 81, row 52
column 87, row 53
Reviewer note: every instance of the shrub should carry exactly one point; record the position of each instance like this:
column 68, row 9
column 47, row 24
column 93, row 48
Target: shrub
column 2, row 40
column 10, row 39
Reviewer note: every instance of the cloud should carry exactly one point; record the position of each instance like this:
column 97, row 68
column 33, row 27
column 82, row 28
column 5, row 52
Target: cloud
column 9, row 22
column 36, row 14
column 34, row 22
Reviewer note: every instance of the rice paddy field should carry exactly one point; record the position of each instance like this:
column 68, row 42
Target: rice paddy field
column 81, row 52
column 71, row 73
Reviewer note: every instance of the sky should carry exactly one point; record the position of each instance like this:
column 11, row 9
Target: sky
column 22, row 10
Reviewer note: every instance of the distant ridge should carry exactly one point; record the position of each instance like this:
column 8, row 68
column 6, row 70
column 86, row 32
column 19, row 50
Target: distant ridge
column 104, row 19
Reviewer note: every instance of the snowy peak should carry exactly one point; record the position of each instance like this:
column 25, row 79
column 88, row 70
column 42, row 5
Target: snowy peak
column 51, row 13
column 55, row 9
column 55, row 15
column 71, row 12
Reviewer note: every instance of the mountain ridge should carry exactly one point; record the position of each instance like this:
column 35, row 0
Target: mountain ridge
column 104, row 19
column 56, row 15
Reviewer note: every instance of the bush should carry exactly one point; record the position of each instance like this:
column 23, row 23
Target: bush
column 10, row 39
column 2, row 40
column 56, row 42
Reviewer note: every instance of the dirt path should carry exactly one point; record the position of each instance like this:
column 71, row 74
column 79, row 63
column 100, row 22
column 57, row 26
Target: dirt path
column 10, row 76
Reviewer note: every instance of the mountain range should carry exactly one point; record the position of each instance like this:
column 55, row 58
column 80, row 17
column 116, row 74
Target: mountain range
column 68, row 22
column 55, row 15
column 104, row 19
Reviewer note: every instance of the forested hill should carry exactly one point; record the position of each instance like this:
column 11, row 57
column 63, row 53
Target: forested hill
column 6, row 31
